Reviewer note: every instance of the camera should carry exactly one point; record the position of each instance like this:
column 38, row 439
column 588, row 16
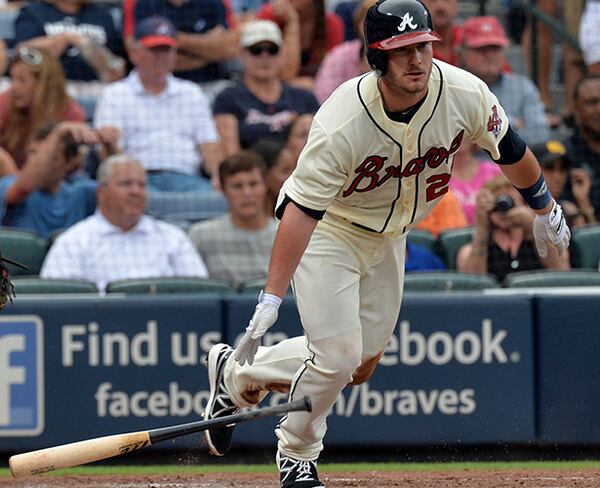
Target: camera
column 503, row 204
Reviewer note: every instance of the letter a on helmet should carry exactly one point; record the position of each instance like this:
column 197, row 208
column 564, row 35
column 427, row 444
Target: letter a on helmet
column 390, row 24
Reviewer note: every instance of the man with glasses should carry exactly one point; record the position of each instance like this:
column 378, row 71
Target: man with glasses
column 165, row 122
column 260, row 106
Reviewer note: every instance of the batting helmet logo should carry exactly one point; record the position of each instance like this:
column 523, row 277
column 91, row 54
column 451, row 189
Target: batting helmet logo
column 407, row 21
column 390, row 24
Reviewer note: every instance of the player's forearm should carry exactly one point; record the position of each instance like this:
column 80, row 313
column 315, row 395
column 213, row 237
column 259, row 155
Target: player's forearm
column 524, row 174
column 292, row 237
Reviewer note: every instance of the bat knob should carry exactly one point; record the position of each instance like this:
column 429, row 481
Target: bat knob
column 307, row 403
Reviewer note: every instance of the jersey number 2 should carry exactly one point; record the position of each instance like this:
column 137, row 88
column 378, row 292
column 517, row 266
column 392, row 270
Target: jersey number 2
column 437, row 186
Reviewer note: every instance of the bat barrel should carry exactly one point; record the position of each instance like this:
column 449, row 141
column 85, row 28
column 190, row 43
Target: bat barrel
column 90, row 450
column 76, row 453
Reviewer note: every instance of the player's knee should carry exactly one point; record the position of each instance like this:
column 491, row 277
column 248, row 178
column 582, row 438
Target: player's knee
column 339, row 356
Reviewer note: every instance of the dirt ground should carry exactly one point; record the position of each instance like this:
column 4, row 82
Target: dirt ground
column 571, row 478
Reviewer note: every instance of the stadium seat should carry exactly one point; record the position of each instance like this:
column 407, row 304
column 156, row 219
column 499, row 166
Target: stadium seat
column 188, row 206
column 26, row 285
column 26, row 247
column 552, row 278
column 422, row 238
column 153, row 286
column 255, row 286
column 450, row 241
column 585, row 247
column 447, row 281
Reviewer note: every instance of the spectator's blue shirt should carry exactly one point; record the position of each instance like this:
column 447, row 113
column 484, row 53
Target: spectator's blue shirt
column 193, row 17
column 260, row 120
column 45, row 213
column 94, row 21
column 419, row 258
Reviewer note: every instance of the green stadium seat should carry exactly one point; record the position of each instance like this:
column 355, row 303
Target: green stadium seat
column 422, row 238
column 28, row 286
column 552, row 278
column 153, row 286
column 585, row 247
column 26, row 247
column 450, row 241
column 447, row 281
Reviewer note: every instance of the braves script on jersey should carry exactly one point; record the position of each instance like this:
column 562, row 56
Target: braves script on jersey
column 383, row 175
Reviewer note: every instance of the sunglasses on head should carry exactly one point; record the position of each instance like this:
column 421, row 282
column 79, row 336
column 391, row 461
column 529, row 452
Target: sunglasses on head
column 30, row 56
column 272, row 49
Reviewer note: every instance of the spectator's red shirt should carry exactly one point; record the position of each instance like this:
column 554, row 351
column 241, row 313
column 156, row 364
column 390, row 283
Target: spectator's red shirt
column 334, row 35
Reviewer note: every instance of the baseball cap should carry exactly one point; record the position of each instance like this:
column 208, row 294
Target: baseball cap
column 260, row 31
column 483, row 31
column 156, row 31
column 549, row 152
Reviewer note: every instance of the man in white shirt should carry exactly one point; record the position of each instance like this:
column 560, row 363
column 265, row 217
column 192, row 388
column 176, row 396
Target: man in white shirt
column 118, row 241
column 165, row 122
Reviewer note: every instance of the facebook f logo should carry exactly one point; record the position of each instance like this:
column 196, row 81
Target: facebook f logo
column 21, row 376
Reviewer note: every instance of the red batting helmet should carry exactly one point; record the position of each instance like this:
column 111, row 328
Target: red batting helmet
column 390, row 24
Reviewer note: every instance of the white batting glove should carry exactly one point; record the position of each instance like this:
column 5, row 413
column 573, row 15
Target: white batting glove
column 265, row 315
column 551, row 229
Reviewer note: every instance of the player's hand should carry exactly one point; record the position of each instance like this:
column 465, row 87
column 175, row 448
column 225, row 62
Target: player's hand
column 551, row 229
column 265, row 315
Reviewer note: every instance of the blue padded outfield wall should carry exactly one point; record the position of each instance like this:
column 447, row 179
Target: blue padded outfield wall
column 460, row 369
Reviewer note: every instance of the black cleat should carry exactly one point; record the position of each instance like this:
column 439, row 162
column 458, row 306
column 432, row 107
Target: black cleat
column 294, row 473
column 219, row 404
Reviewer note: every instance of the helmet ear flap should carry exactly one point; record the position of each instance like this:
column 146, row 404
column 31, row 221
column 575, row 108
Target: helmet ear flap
column 378, row 61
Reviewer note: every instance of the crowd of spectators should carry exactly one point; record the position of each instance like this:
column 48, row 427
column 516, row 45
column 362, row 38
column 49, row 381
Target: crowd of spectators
column 105, row 103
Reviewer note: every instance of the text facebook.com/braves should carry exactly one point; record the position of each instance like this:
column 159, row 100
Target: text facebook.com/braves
column 88, row 345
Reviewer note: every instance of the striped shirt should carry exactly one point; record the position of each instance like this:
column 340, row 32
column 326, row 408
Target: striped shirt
column 230, row 253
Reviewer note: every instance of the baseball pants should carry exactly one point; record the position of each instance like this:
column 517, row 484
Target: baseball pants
column 348, row 289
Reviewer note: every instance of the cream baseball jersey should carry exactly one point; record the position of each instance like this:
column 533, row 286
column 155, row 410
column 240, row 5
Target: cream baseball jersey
column 383, row 175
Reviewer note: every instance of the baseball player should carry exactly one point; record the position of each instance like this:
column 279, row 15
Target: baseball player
column 378, row 158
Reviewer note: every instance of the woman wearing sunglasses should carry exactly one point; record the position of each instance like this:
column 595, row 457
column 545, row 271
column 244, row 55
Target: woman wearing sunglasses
column 36, row 97
column 260, row 105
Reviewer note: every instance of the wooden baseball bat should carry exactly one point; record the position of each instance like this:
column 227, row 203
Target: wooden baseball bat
column 90, row 450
